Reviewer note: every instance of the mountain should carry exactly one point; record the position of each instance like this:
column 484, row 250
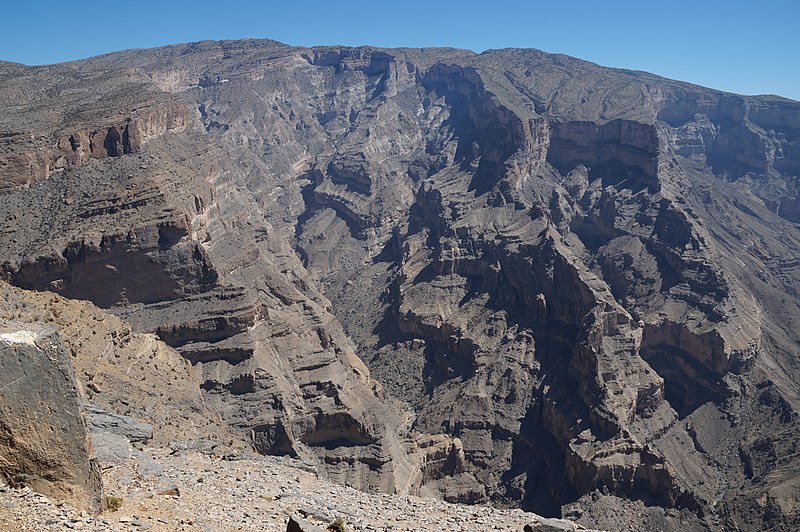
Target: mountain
column 508, row 277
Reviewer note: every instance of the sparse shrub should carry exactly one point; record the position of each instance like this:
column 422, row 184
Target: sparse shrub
column 337, row 525
column 113, row 503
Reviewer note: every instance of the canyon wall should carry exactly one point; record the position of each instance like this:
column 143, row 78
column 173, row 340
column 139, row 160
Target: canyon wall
column 506, row 277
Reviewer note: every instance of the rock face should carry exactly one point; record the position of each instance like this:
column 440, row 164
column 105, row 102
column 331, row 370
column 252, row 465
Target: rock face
column 134, row 386
column 509, row 277
column 100, row 420
column 44, row 443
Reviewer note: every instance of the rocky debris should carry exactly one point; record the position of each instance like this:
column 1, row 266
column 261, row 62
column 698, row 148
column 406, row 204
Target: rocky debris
column 27, row 511
column 100, row 421
column 257, row 493
column 44, row 443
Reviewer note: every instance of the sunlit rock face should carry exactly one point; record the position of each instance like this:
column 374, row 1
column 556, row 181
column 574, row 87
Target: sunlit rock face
column 507, row 277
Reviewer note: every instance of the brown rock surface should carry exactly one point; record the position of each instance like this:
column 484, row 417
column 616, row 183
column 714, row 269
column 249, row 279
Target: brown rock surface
column 44, row 443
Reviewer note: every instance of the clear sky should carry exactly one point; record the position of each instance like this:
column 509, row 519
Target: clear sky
column 749, row 47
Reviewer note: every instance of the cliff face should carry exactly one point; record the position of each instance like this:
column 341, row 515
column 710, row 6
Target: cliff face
column 114, row 136
column 574, row 285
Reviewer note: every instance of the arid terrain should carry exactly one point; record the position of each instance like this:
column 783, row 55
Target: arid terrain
column 509, row 278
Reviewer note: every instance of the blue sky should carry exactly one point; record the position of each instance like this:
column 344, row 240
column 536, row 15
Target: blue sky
column 745, row 47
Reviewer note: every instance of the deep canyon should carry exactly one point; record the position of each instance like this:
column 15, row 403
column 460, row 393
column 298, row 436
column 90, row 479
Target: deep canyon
column 510, row 277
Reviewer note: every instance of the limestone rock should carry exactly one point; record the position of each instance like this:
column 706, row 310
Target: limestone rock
column 100, row 420
column 44, row 443
column 551, row 525
column 110, row 448
column 296, row 524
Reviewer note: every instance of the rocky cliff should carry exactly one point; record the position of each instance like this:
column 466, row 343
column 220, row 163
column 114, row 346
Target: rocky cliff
column 506, row 277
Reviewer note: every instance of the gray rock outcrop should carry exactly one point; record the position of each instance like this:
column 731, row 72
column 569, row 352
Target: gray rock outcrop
column 100, row 420
column 44, row 443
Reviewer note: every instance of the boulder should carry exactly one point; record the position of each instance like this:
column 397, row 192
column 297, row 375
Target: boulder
column 100, row 420
column 44, row 443
column 110, row 448
column 551, row 525
column 297, row 524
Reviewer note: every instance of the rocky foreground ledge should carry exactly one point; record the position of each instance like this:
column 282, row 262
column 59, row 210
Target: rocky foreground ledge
column 82, row 428
column 163, row 490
